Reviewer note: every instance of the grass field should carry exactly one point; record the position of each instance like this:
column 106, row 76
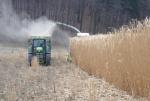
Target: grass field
column 61, row 81
column 121, row 57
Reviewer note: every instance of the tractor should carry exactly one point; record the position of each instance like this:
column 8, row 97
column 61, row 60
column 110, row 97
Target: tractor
column 39, row 47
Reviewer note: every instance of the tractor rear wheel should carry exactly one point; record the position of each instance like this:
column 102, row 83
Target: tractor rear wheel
column 30, row 59
column 48, row 59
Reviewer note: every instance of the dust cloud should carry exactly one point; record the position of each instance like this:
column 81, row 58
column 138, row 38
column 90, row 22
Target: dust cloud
column 17, row 30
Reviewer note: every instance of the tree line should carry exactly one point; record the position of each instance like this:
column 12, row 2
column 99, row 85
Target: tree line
column 94, row 16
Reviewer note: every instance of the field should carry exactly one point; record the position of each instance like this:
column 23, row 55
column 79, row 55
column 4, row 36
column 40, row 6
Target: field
column 61, row 81
column 122, row 57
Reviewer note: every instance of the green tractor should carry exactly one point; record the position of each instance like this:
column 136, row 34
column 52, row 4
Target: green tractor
column 39, row 47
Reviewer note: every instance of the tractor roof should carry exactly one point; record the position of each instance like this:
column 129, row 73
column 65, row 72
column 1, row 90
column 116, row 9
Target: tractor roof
column 40, row 37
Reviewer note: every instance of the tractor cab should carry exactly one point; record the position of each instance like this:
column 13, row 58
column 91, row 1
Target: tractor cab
column 39, row 47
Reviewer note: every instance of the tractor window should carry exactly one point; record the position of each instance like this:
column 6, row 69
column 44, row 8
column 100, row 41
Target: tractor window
column 38, row 43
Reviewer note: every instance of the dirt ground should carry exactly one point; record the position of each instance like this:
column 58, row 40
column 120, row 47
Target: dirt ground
column 62, row 81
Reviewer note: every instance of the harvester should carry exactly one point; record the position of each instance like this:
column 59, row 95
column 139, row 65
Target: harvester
column 39, row 47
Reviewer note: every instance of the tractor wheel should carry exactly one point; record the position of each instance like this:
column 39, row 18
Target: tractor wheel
column 30, row 59
column 48, row 59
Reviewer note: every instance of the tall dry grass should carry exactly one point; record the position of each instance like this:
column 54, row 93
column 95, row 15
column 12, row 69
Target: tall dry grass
column 121, row 57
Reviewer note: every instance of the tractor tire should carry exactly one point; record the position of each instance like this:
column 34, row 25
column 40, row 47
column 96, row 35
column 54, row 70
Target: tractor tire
column 48, row 59
column 30, row 59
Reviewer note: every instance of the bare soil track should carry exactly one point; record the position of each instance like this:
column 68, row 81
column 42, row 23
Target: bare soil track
column 61, row 81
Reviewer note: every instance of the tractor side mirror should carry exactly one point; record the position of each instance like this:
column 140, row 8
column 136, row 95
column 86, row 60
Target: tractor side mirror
column 29, row 42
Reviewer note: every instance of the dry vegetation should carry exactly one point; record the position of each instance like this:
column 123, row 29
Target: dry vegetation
column 122, row 57
column 61, row 81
